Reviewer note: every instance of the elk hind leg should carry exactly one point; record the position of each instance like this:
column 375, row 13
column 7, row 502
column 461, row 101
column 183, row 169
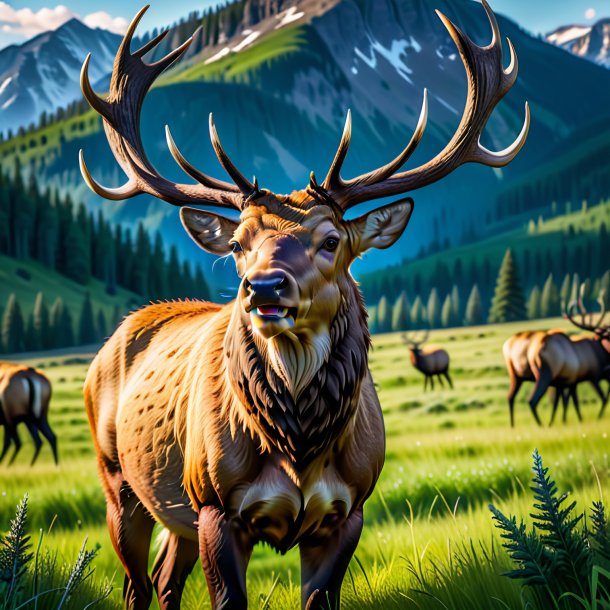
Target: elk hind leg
column 17, row 441
column 448, row 378
column 440, row 380
column 324, row 562
column 33, row 430
column 130, row 527
column 45, row 429
column 557, row 394
column 543, row 381
column 515, row 385
column 174, row 562
column 574, row 395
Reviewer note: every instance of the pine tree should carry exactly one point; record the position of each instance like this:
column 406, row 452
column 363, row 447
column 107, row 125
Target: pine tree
column 61, row 325
column 12, row 326
column 564, row 293
column 384, row 319
column 141, row 263
column 533, row 304
column 549, row 301
column 400, row 313
column 447, row 317
column 474, row 309
column 372, row 312
column 41, row 330
column 456, row 305
column 418, row 313
column 433, row 309
column 87, row 332
column 102, row 327
column 77, row 257
column 508, row 303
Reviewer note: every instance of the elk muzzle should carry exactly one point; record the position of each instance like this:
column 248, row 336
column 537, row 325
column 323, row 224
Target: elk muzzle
column 271, row 301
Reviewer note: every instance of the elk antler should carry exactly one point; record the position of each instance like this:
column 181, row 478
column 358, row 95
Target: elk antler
column 409, row 341
column 488, row 82
column 576, row 307
column 131, row 80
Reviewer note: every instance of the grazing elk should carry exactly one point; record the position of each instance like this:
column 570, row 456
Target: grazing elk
column 430, row 360
column 25, row 394
column 552, row 359
column 257, row 420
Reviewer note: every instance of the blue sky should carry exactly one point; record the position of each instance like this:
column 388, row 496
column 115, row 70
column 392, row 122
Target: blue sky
column 21, row 19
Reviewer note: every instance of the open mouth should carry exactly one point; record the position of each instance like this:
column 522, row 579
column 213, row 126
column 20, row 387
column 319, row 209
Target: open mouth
column 274, row 312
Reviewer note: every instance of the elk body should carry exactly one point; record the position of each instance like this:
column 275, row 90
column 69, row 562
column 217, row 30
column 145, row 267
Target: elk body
column 25, row 394
column 552, row 359
column 257, row 420
column 430, row 360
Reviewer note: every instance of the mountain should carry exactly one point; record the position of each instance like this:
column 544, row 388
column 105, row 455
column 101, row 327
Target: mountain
column 590, row 42
column 279, row 89
column 42, row 74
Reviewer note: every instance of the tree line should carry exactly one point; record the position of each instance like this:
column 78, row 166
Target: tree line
column 44, row 227
column 510, row 302
column 53, row 327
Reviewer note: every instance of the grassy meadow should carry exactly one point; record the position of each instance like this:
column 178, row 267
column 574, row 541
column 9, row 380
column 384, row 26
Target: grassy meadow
column 428, row 541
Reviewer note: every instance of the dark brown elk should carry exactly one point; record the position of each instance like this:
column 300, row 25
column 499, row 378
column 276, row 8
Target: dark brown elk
column 25, row 394
column 552, row 359
column 257, row 420
column 429, row 360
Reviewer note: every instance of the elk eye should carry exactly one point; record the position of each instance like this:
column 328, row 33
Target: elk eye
column 236, row 246
column 331, row 244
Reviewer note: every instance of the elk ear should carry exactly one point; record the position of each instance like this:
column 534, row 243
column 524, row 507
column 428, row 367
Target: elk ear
column 383, row 226
column 211, row 231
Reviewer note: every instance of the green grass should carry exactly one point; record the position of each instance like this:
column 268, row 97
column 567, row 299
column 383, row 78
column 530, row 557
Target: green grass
column 53, row 285
column 427, row 526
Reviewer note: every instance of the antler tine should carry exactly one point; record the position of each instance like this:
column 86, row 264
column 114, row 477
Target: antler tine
column 131, row 79
column 488, row 81
column 333, row 178
column 578, row 305
column 151, row 44
column 193, row 172
column 245, row 186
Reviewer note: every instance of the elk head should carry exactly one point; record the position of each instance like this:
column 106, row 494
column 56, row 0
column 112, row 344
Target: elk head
column 411, row 342
column 293, row 252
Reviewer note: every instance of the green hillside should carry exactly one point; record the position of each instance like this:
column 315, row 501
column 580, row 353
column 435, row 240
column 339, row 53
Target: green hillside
column 26, row 278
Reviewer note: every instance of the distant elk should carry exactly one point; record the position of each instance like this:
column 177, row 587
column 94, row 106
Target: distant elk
column 552, row 359
column 430, row 360
column 25, row 394
column 256, row 420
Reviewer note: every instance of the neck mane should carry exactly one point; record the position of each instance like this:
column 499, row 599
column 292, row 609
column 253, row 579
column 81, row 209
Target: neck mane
column 302, row 420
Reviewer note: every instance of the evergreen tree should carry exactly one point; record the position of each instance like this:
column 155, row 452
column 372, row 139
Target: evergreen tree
column 447, row 317
column 87, row 332
column 508, row 303
column 31, row 341
column 575, row 287
column 141, row 263
column 102, row 327
column 549, row 301
column 564, row 293
column 372, row 311
column 400, row 313
column 433, row 309
column 418, row 313
column 158, row 277
column 77, row 266
column 456, row 306
column 173, row 274
column 384, row 316
column 61, row 325
column 12, row 326
column 533, row 304
column 201, row 286
column 41, row 330
column 474, row 309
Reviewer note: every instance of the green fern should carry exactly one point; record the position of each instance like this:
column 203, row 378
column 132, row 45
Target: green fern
column 558, row 523
column 559, row 560
column 14, row 555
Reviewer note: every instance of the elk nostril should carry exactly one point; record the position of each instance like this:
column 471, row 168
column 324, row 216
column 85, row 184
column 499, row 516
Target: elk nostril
column 282, row 284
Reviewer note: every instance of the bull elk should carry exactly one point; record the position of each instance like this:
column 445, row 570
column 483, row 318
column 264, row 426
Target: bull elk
column 257, row 420
column 25, row 394
column 552, row 359
column 429, row 360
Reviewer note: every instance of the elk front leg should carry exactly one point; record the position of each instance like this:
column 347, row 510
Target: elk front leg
column 324, row 562
column 224, row 550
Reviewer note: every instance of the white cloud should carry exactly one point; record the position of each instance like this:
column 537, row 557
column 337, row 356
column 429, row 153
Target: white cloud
column 590, row 13
column 27, row 23
column 103, row 20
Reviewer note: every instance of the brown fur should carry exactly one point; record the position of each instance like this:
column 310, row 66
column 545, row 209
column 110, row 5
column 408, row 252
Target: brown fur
column 25, row 394
column 552, row 359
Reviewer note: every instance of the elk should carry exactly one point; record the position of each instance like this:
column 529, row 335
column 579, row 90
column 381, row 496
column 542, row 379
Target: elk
column 256, row 420
column 25, row 394
column 430, row 360
column 552, row 359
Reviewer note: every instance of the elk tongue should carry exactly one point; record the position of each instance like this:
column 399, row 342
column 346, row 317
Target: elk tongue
column 272, row 310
